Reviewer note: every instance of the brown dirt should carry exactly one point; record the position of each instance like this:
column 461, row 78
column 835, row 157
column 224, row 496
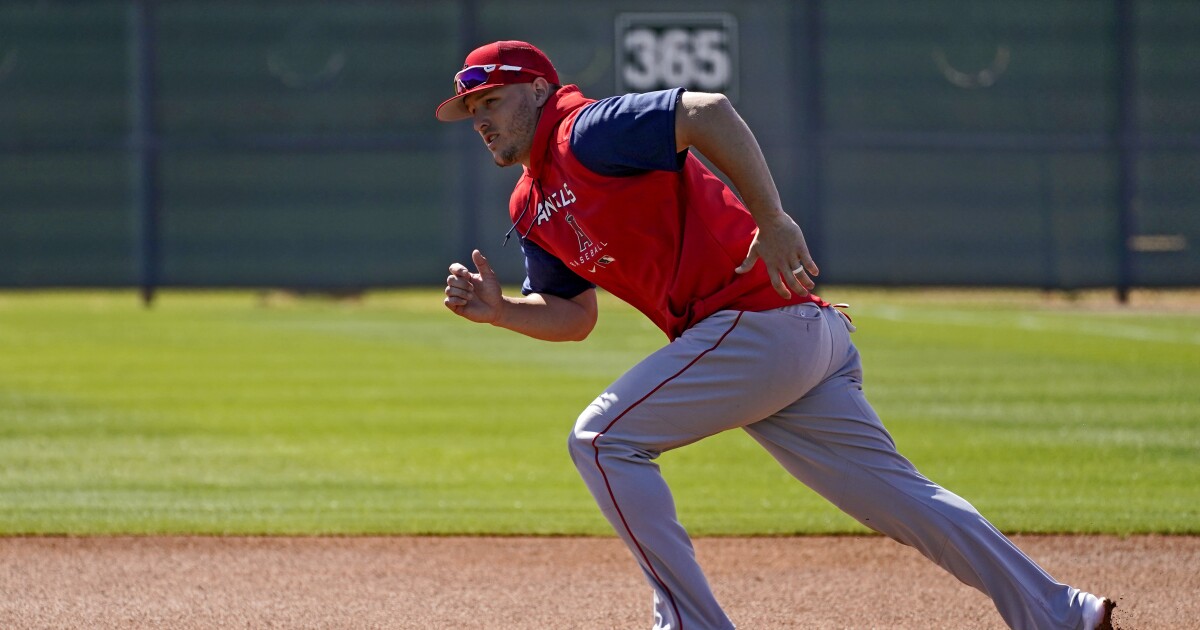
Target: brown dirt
column 523, row 583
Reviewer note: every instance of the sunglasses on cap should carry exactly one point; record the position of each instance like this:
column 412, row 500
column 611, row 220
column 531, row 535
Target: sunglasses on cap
column 475, row 76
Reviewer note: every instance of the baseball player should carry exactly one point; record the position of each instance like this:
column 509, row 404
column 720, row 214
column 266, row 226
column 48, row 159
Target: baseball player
column 611, row 196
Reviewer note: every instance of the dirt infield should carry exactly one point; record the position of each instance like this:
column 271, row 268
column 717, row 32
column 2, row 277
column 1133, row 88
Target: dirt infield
column 526, row 583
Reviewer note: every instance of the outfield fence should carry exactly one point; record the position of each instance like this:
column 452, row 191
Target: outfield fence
column 1039, row 143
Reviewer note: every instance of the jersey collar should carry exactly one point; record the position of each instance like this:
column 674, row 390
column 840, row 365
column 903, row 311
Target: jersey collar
column 560, row 104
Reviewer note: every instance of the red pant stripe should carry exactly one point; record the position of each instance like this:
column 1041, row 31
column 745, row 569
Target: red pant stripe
column 613, row 496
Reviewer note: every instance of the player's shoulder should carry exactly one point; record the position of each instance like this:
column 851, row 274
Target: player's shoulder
column 628, row 134
column 626, row 107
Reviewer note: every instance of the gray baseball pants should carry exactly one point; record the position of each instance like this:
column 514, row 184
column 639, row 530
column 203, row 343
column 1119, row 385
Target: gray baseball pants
column 792, row 379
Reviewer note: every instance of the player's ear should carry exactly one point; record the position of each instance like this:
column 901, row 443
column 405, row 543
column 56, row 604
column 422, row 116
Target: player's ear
column 541, row 91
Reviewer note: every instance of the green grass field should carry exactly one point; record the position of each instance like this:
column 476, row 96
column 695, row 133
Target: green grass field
column 225, row 413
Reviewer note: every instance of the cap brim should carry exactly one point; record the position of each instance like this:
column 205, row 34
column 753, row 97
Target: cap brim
column 455, row 107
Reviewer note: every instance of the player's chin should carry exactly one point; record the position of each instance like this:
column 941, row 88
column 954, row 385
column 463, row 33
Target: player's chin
column 502, row 161
column 505, row 156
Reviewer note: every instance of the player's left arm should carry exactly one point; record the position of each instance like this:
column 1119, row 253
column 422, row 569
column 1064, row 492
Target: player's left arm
column 709, row 123
column 478, row 297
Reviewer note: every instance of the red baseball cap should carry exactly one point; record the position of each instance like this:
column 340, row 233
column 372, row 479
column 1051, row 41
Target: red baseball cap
column 493, row 65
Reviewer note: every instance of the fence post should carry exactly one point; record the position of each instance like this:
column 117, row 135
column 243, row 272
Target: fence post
column 467, row 145
column 810, row 93
column 145, row 146
column 1127, row 142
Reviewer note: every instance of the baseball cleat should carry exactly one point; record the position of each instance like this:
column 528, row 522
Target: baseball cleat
column 1101, row 616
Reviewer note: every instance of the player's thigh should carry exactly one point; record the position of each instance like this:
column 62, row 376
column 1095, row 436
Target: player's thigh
column 833, row 441
column 730, row 370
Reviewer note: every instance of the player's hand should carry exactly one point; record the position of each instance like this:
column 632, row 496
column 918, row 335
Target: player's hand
column 779, row 243
column 475, row 296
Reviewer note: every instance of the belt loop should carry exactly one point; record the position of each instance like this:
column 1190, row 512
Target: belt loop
column 849, row 322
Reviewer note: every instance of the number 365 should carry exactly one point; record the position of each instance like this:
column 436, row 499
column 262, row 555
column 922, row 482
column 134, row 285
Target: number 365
column 661, row 58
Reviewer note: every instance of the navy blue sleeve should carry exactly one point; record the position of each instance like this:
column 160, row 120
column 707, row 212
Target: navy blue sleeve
column 628, row 135
column 548, row 275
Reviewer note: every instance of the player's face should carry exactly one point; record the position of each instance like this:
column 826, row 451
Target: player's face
column 505, row 118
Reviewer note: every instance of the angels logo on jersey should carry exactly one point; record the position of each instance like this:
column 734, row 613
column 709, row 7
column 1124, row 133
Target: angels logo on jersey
column 588, row 248
column 584, row 241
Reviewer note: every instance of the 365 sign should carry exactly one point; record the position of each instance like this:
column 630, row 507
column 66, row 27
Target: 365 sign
column 656, row 51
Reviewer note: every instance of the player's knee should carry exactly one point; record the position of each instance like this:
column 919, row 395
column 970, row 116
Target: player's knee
column 581, row 442
column 580, row 446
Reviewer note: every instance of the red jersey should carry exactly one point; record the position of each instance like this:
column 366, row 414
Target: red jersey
column 666, row 242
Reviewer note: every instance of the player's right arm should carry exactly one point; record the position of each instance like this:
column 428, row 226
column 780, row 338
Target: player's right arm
column 709, row 123
column 477, row 296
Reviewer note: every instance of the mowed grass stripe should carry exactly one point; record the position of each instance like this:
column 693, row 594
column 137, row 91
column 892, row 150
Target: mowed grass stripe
column 225, row 413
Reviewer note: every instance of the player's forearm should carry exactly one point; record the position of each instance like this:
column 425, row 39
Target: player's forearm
column 549, row 318
column 709, row 123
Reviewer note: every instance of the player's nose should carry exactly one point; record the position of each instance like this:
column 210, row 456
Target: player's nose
column 480, row 122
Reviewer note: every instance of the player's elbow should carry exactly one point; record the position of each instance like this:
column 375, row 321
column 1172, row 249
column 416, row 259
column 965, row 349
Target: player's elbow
column 582, row 332
column 580, row 327
column 582, row 316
